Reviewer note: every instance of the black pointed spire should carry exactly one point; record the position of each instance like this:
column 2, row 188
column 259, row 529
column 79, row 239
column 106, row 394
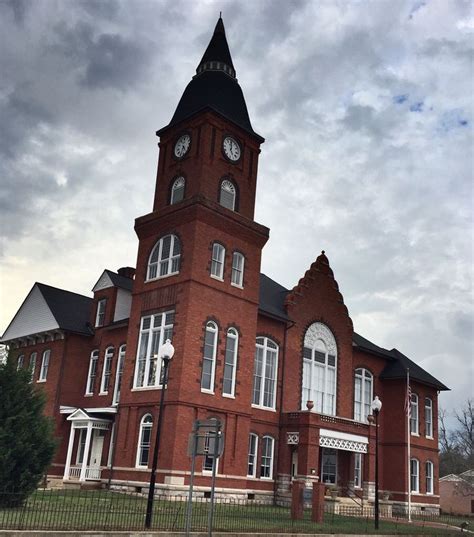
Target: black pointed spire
column 217, row 55
column 214, row 87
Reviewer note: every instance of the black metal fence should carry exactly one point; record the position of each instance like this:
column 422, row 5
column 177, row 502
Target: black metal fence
column 74, row 509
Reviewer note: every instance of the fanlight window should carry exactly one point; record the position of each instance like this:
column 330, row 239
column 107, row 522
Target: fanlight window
column 227, row 195
column 165, row 258
column 177, row 190
column 319, row 369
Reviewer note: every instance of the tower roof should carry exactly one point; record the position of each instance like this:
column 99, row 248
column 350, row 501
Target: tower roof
column 214, row 87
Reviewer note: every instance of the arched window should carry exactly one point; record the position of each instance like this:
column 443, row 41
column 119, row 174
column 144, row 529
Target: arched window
column 429, row 477
column 237, row 277
column 414, row 414
column 319, row 369
column 106, row 372
column 44, row 366
column 177, row 190
column 414, row 475
column 230, row 364
column 144, row 441
column 164, row 258
column 118, row 374
column 266, row 466
column 265, row 373
column 92, row 372
column 428, row 417
column 20, row 361
column 217, row 261
column 227, row 195
column 252, row 459
column 209, row 358
column 363, row 394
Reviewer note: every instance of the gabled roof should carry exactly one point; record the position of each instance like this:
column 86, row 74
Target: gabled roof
column 111, row 279
column 214, row 87
column 71, row 310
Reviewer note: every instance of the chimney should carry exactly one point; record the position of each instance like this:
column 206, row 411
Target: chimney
column 127, row 272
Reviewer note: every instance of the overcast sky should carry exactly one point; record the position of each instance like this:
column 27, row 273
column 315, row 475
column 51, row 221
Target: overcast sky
column 367, row 111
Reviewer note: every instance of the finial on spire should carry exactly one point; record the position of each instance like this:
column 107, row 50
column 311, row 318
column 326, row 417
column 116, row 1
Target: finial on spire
column 220, row 14
column 323, row 252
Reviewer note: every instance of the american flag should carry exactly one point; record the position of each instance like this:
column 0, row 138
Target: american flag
column 408, row 401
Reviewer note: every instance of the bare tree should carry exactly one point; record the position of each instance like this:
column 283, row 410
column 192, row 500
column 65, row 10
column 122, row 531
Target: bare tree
column 464, row 432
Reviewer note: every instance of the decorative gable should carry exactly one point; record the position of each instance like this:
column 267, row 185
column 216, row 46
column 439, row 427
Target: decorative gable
column 33, row 317
column 104, row 282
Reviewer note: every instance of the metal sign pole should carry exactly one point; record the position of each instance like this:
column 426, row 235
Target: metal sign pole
column 213, row 484
column 189, row 509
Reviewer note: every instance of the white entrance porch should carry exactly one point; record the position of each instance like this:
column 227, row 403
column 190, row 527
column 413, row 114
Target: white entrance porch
column 88, row 448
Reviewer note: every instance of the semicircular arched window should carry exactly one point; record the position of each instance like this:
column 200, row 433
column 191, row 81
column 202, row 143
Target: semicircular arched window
column 227, row 194
column 177, row 190
column 164, row 258
column 319, row 369
column 144, row 441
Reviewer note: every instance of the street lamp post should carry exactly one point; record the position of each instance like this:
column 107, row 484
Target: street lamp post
column 165, row 353
column 376, row 406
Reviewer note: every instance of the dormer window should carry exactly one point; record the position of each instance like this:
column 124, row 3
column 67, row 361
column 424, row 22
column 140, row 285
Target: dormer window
column 227, row 195
column 100, row 316
column 177, row 190
column 165, row 258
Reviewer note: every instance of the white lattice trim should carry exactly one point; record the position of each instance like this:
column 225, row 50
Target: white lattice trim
column 343, row 441
column 292, row 438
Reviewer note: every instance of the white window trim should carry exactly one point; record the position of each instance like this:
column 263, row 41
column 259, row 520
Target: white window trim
column 118, row 374
column 336, row 465
column 272, row 459
column 179, row 179
column 255, row 456
column 220, row 259
column 32, row 370
column 44, row 366
column 150, row 331
column 430, row 492
column 94, row 356
column 430, row 436
column 82, row 432
column 416, row 404
column 20, row 362
column 358, row 456
column 417, row 489
column 364, row 375
column 215, row 329
column 232, row 189
column 205, row 471
column 159, row 245
column 108, row 356
column 262, row 380
column 101, row 306
column 235, row 336
column 140, row 431
column 241, row 285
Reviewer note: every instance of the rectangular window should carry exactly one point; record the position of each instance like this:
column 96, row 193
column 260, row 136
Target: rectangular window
column 266, row 466
column 32, row 365
column 228, row 386
column 265, row 373
column 253, row 446
column 237, row 277
column 329, row 466
column 106, row 372
column 20, row 361
column 429, row 477
column 209, row 358
column 154, row 331
column 358, row 470
column 209, row 448
column 414, row 475
column 100, row 317
column 414, row 414
column 428, row 417
column 118, row 375
column 44, row 366
column 81, row 446
column 217, row 262
column 92, row 372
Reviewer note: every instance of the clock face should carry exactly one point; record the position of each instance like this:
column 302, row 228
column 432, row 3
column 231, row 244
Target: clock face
column 231, row 148
column 182, row 145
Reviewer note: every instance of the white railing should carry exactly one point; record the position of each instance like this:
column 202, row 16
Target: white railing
column 91, row 473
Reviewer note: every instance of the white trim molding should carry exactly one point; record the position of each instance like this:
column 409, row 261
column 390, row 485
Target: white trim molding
column 343, row 441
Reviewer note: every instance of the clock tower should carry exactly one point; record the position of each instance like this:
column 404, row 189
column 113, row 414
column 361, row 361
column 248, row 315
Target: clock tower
column 198, row 274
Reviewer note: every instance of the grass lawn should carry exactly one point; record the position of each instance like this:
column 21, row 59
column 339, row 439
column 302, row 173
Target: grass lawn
column 100, row 510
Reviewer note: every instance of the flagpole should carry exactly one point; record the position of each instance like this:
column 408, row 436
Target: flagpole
column 408, row 442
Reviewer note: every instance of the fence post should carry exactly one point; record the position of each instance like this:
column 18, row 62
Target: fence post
column 317, row 514
column 297, row 499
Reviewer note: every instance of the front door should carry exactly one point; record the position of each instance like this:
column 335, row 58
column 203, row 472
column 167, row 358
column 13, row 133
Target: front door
column 96, row 454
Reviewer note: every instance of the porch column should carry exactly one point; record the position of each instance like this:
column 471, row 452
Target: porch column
column 70, row 446
column 87, row 446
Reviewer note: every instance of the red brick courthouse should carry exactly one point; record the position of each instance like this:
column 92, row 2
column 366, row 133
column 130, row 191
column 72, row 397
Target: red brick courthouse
column 282, row 368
